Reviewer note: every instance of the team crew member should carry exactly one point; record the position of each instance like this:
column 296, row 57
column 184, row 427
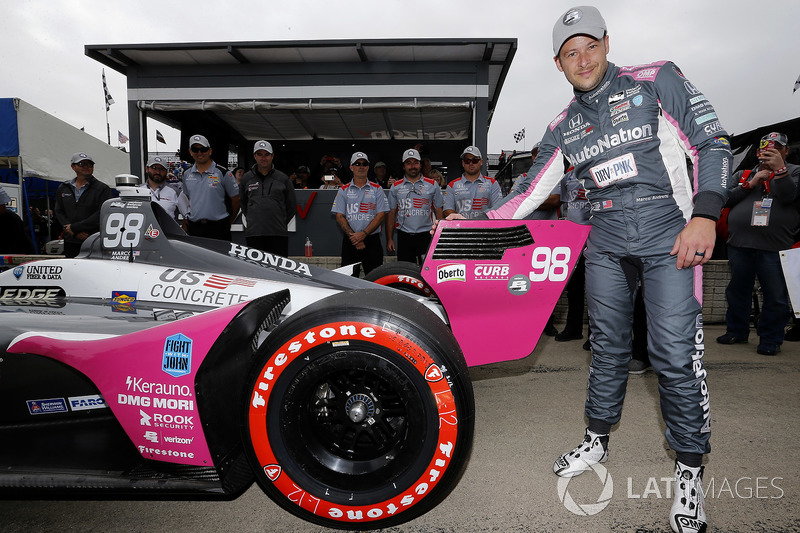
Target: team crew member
column 160, row 192
column 206, row 184
column 78, row 203
column 414, row 203
column 472, row 193
column 360, row 208
column 268, row 203
column 627, row 131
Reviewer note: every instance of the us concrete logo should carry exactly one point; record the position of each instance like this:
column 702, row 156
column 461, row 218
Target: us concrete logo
column 587, row 509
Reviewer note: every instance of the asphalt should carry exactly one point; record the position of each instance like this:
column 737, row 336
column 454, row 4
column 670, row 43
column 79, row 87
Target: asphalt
column 528, row 412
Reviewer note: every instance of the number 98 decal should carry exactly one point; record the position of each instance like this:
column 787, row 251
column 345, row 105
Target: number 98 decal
column 123, row 230
column 550, row 265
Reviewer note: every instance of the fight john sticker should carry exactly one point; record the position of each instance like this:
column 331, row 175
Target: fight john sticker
column 177, row 359
column 618, row 169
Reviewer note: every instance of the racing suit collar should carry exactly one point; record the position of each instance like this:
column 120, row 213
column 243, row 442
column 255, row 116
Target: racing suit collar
column 605, row 83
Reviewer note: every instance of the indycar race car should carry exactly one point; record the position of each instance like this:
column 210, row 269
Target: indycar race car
column 161, row 365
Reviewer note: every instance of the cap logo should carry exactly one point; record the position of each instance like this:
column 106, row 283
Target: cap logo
column 573, row 16
column 83, row 155
column 196, row 138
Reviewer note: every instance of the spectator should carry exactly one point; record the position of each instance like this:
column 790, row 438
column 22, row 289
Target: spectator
column 78, row 203
column 238, row 173
column 426, row 167
column 438, row 177
column 13, row 238
column 168, row 198
column 472, row 193
column 414, row 203
column 268, row 203
column 762, row 221
column 360, row 208
column 331, row 179
column 300, row 177
column 40, row 230
column 206, row 184
column 326, row 163
column 381, row 174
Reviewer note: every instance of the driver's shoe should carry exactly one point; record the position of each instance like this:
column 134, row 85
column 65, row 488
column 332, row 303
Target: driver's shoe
column 593, row 450
column 688, row 513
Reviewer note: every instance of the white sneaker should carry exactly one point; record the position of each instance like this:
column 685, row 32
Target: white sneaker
column 688, row 513
column 593, row 450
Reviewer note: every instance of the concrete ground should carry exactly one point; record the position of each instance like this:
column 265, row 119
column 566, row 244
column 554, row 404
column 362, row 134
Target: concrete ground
column 528, row 412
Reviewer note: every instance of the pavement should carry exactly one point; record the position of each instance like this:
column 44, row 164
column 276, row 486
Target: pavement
column 528, row 412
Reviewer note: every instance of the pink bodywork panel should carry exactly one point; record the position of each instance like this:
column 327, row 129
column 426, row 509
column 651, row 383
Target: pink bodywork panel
column 158, row 411
column 498, row 308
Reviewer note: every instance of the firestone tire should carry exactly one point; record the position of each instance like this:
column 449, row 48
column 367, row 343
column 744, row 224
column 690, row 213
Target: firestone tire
column 359, row 411
column 401, row 275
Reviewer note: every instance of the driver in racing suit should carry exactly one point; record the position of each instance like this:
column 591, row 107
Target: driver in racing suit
column 628, row 132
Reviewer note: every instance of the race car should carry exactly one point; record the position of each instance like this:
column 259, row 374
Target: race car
column 158, row 365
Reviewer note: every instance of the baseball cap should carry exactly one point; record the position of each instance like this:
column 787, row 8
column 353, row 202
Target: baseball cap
column 471, row 150
column 157, row 160
column 380, row 164
column 358, row 155
column 779, row 138
column 199, row 139
column 580, row 20
column 411, row 154
column 80, row 156
column 303, row 168
column 262, row 145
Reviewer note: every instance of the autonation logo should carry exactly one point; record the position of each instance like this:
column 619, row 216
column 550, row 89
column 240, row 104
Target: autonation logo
column 588, row 496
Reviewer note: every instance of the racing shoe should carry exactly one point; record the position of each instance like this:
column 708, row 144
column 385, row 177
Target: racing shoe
column 688, row 513
column 593, row 450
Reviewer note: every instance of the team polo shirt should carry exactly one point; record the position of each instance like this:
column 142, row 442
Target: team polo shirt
column 415, row 202
column 206, row 192
column 471, row 198
column 360, row 205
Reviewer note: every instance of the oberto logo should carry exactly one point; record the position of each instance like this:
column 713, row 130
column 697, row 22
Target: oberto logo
column 587, row 509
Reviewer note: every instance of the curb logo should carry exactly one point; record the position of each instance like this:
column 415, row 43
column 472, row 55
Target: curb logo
column 587, row 509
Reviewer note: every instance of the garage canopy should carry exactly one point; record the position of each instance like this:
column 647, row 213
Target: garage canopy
column 336, row 90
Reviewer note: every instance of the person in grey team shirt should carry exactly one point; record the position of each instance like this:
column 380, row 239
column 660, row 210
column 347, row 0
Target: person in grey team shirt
column 472, row 193
column 360, row 208
column 628, row 132
column 414, row 203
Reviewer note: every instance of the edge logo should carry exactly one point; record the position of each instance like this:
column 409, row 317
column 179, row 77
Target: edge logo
column 451, row 272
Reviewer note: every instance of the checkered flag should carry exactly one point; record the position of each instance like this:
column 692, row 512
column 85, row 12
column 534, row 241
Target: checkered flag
column 519, row 135
column 109, row 100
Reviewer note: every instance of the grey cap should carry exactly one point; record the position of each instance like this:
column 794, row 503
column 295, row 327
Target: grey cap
column 580, row 20
column 411, row 154
column 262, row 145
column 80, row 156
column 779, row 138
column 380, row 164
column 471, row 150
column 157, row 160
column 358, row 155
column 199, row 139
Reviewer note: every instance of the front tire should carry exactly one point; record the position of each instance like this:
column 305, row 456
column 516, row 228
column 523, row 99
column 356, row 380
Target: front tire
column 360, row 412
column 401, row 275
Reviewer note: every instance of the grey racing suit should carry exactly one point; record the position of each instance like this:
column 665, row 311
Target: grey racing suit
column 629, row 140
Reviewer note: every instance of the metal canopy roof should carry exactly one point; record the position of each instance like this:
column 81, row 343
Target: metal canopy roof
column 426, row 89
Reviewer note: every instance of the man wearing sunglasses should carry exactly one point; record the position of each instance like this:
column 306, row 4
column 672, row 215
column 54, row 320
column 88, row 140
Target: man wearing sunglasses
column 472, row 193
column 206, row 184
column 360, row 208
column 78, row 203
column 414, row 203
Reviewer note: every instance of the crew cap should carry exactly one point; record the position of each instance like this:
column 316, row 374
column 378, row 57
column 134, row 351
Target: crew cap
column 81, row 156
column 779, row 138
column 581, row 20
column 199, row 139
column 380, row 164
column 471, row 150
column 262, row 145
column 358, row 155
column 157, row 160
column 411, row 154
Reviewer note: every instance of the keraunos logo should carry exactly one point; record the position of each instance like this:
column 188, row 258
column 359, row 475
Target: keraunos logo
column 451, row 272
column 587, row 509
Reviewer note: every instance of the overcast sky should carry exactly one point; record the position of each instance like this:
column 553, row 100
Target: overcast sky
column 742, row 55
